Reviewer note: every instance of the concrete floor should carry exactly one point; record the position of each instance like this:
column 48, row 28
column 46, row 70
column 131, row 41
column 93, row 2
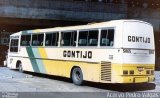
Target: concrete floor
column 14, row 81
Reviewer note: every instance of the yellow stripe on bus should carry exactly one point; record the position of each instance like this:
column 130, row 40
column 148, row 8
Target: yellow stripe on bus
column 36, row 31
column 43, row 54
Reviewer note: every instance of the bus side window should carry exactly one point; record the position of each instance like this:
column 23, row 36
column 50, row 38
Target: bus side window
column 88, row 38
column 55, row 37
column 93, row 38
column 40, row 39
column 107, row 37
column 25, row 40
column 28, row 40
column 34, row 39
column 68, row 38
column 111, row 36
column 65, row 38
column 37, row 39
column 74, row 38
column 82, row 38
column 14, row 45
column 105, row 41
column 51, row 39
column 48, row 40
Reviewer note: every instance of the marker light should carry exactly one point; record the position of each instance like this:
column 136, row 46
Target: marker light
column 125, row 72
column 152, row 72
column 140, row 69
column 148, row 72
column 131, row 72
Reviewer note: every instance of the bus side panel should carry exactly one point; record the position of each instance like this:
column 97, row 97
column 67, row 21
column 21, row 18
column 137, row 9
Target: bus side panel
column 51, row 61
column 57, row 64
column 37, row 60
column 11, row 62
column 63, row 67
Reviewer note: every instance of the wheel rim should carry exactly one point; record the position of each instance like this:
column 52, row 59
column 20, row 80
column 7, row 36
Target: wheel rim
column 20, row 68
column 78, row 75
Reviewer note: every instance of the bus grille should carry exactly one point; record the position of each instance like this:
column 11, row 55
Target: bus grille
column 106, row 71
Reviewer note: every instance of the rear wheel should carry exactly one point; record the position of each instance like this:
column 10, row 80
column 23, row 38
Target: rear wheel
column 77, row 76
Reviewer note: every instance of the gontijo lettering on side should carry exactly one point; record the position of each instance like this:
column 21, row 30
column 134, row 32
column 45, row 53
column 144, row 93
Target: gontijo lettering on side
column 77, row 54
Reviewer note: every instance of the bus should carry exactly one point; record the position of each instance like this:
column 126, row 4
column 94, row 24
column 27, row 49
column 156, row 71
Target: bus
column 117, row 51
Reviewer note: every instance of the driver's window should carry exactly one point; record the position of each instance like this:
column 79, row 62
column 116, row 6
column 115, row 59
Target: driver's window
column 14, row 45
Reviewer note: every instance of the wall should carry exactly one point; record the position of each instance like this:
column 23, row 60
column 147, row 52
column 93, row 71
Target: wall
column 62, row 10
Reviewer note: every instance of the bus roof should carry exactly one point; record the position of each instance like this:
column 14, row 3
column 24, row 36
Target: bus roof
column 112, row 23
column 15, row 34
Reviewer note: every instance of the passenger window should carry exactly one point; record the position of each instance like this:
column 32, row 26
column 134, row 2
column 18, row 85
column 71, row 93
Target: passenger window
column 48, row 41
column 28, row 39
column 25, row 40
column 83, row 38
column 55, row 39
column 107, row 37
column 93, row 38
column 88, row 38
column 68, row 38
column 52, row 39
column 37, row 39
column 14, row 45
column 74, row 38
column 111, row 36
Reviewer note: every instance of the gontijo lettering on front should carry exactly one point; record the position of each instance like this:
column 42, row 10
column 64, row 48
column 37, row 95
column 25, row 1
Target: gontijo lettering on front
column 139, row 39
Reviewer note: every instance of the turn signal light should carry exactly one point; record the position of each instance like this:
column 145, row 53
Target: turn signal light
column 131, row 72
column 148, row 72
column 125, row 72
column 152, row 72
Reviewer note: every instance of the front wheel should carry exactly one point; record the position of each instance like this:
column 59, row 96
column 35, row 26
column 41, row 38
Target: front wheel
column 20, row 68
column 77, row 76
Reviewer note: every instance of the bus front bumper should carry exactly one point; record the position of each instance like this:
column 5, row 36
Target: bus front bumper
column 133, row 79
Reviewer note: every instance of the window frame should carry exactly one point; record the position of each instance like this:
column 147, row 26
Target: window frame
column 31, row 44
column 59, row 37
column 69, row 31
column 25, row 40
column 52, row 37
column 107, row 28
column 10, row 45
column 90, row 29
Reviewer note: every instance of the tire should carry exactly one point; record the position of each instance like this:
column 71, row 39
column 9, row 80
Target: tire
column 77, row 76
column 20, row 67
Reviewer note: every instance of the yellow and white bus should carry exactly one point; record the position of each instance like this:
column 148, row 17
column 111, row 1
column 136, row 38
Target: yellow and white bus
column 118, row 51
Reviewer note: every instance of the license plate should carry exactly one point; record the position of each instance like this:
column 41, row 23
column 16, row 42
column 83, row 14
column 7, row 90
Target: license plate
column 140, row 80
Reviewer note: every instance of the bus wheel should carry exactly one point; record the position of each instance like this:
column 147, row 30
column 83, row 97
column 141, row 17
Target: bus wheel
column 77, row 76
column 20, row 68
